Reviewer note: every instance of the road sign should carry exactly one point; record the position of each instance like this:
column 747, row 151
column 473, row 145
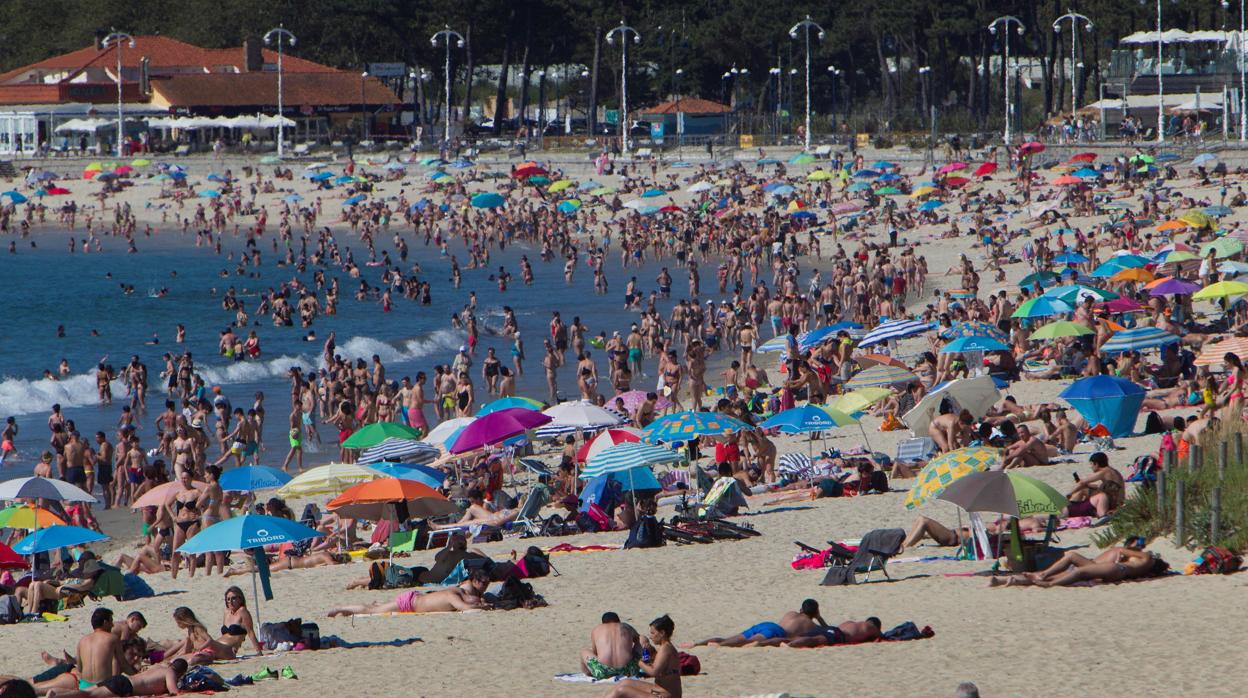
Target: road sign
column 656, row 132
column 387, row 70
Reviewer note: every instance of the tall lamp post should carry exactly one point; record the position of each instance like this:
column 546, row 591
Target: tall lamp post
column 283, row 36
column 623, row 31
column 1239, row 60
column 806, row 25
column 117, row 39
column 1074, row 18
column 924, row 72
column 446, row 35
column 680, row 119
column 835, row 73
column 1161, row 88
column 1004, row 22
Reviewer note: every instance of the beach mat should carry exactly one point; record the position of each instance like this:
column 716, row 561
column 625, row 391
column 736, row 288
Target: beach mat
column 584, row 678
column 416, row 613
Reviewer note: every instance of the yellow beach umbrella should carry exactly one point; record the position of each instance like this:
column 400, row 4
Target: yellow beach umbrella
column 140, row 162
column 559, row 186
column 1222, row 289
column 334, row 479
column 24, row 517
column 947, row 468
column 819, row 176
column 923, row 191
column 859, row 400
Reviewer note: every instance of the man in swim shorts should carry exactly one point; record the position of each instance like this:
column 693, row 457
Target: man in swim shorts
column 793, row 624
column 613, row 649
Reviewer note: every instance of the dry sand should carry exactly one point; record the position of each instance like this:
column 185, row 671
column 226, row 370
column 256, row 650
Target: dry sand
column 1167, row 637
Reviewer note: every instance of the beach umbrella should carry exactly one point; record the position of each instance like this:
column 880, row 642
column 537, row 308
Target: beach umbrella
column 1198, row 219
column 1031, row 148
column 209, row 194
column 633, row 398
column 1221, row 289
column 806, row 419
column 819, row 176
column 883, row 165
column 1222, row 248
column 157, row 496
column 1215, row 354
column 774, row 344
column 866, row 174
column 358, row 198
column 250, row 478
column 507, row 403
column 951, row 167
column 334, row 479
column 375, row 433
column 1128, row 260
column 801, row 159
column 1076, row 293
column 1042, row 306
column 340, row 179
column 625, row 456
column 651, row 193
column 445, row 429
column 95, row 166
column 975, row 395
column 43, row 488
column 880, row 375
column 985, row 169
column 602, row 191
column 559, row 185
column 887, row 191
column 894, row 329
column 859, row 186
column 955, row 182
column 1083, row 157
column 1136, row 274
column 57, row 191
column 10, row 560
column 1070, row 258
column 1229, row 267
column 580, row 415
column 1169, row 226
column 815, row 337
column 56, row 537
column 639, row 479
column 1005, row 493
column 569, row 206
column 1067, row 180
column 26, row 517
column 858, row 400
column 947, row 468
column 1204, row 158
column 292, row 198
column 1086, row 173
column 683, row 426
column 496, row 427
column 1120, row 305
column 964, row 345
column 247, row 532
column 973, row 329
column 1174, row 287
column 932, row 205
column 411, row 471
column 385, row 498
column 1106, row 400
column 528, row 170
column 400, row 449
column 1061, row 328
column 1043, row 278
column 606, row 439
column 15, row 197
column 488, row 199
column 1138, row 339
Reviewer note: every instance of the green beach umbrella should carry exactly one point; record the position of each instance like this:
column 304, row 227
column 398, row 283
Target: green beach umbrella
column 601, row 191
column 887, row 191
column 375, row 433
column 1061, row 328
column 1006, row 493
column 1222, row 248
column 1041, row 277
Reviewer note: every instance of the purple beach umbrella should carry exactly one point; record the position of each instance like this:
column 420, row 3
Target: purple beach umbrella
column 1174, row 287
column 496, row 427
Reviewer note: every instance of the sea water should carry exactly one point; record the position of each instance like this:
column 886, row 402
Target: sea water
column 50, row 287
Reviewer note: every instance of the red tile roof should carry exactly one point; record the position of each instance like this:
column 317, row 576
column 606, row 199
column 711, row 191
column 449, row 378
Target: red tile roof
column 689, row 105
column 260, row 89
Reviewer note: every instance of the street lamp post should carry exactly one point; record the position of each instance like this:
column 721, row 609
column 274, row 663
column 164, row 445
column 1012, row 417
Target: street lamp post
column 363, row 108
column 623, row 31
column 1239, row 59
column 924, row 71
column 117, row 39
column 680, row 119
column 779, row 97
column 1004, row 22
column 835, row 73
column 806, row 25
column 1161, row 90
column 447, row 34
column 1075, row 18
column 282, row 34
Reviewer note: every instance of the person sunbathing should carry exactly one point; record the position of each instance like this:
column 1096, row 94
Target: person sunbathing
column 480, row 514
column 1027, row 451
column 614, row 649
column 146, row 561
column 1114, row 565
column 466, row 596
column 849, row 632
column 792, row 624
column 321, row 558
column 158, row 680
column 1182, row 395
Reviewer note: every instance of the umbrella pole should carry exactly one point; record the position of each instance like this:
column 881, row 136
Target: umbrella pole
column 255, row 594
column 864, row 436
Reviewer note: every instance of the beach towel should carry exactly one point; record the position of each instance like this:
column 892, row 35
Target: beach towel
column 584, row 678
column 569, row 548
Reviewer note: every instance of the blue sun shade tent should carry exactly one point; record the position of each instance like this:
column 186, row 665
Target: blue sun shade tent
column 1114, row 402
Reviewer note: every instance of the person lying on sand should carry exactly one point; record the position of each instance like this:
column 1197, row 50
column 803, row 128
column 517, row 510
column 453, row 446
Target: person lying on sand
column 466, row 596
column 614, row 649
column 481, row 514
column 793, row 624
column 849, row 632
column 321, row 558
column 1113, row 565
column 158, row 680
column 665, row 668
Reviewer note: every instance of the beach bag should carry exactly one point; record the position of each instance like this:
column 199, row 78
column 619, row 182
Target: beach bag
column 513, row 595
column 535, row 563
column 399, row 577
column 311, row 636
column 689, row 664
column 10, row 610
column 1144, row 469
column 201, row 679
column 1153, row 424
column 646, row 533
column 1215, row 560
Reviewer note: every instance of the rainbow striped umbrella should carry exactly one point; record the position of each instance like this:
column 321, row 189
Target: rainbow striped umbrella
column 1215, row 354
column 947, row 468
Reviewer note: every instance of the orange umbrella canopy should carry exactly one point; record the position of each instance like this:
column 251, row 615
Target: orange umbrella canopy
column 1133, row 274
column 392, row 498
column 386, row 489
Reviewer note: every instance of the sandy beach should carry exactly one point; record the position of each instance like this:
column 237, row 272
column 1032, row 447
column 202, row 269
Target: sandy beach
column 1170, row 636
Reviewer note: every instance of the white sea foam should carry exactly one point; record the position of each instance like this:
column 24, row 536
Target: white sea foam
column 19, row 396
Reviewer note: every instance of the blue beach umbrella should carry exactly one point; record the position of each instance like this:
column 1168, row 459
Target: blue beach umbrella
column 866, row 174
column 894, row 329
column 623, row 457
column 648, row 210
column 488, row 199
column 410, row 471
column 343, row 179
column 1108, row 400
column 1108, row 268
column 805, row 419
column 1070, row 258
column 973, row 329
column 321, row 176
column 293, row 198
column 354, row 200
column 569, row 207
column 506, row 403
column 1042, row 306
column 970, row 344
column 209, row 194
column 882, row 165
column 55, row 537
column 1138, row 339
column 253, row 477
column 651, row 193
column 803, row 215
column 15, row 197
column 683, row 426
column 859, row 186
column 781, row 190
column 246, row 532
column 930, row 205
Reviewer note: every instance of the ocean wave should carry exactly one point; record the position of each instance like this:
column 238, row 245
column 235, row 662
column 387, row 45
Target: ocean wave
column 21, row 396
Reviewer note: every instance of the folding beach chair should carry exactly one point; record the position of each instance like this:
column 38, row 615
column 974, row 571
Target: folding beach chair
column 914, row 450
column 872, row 554
column 530, row 516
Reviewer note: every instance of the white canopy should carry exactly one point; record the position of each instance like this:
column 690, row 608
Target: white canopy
column 1176, row 36
column 83, row 125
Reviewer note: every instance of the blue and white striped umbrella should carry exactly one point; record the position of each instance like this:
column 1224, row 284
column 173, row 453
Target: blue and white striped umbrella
column 894, row 329
column 622, row 457
column 780, row 343
column 396, row 450
column 1139, row 339
column 409, row 471
column 798, row 465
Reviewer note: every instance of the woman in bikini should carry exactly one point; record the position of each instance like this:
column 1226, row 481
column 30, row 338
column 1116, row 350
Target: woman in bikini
column 237, row 625
column 1234, row 391
column 183, row 451
column 198, row 647
column 212, row 503
column 183, row 506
